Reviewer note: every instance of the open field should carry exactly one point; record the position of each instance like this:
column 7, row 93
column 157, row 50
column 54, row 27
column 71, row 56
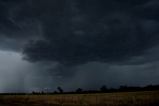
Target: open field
column 145, row 98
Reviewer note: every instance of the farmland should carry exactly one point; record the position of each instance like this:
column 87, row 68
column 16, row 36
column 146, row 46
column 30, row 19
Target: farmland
column 142, row 98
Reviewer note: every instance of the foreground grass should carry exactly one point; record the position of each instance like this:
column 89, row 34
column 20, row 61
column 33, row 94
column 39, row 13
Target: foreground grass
column 145, row 98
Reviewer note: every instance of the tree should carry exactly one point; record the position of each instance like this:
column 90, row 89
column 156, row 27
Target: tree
column 103, row 88
column 60, row 89
column 79, row 90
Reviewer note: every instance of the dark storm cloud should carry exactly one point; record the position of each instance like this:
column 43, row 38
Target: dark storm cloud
column 119, row 38
column 16, row 28
column 79, row 31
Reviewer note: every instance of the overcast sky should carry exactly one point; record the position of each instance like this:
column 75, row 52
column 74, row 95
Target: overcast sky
column 78, row 43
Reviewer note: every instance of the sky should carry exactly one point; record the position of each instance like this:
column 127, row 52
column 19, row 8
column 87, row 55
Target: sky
column 78, row 43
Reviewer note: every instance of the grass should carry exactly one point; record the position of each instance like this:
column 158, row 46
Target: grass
column 144, row 98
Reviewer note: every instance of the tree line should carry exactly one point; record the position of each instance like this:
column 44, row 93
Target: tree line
column 103, row 89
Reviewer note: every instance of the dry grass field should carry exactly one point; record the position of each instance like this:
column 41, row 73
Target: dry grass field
column 145, row 98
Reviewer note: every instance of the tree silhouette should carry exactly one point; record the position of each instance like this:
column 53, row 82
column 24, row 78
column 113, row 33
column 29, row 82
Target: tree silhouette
column 79, row 90
column 60, row 89
column 103, row 88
